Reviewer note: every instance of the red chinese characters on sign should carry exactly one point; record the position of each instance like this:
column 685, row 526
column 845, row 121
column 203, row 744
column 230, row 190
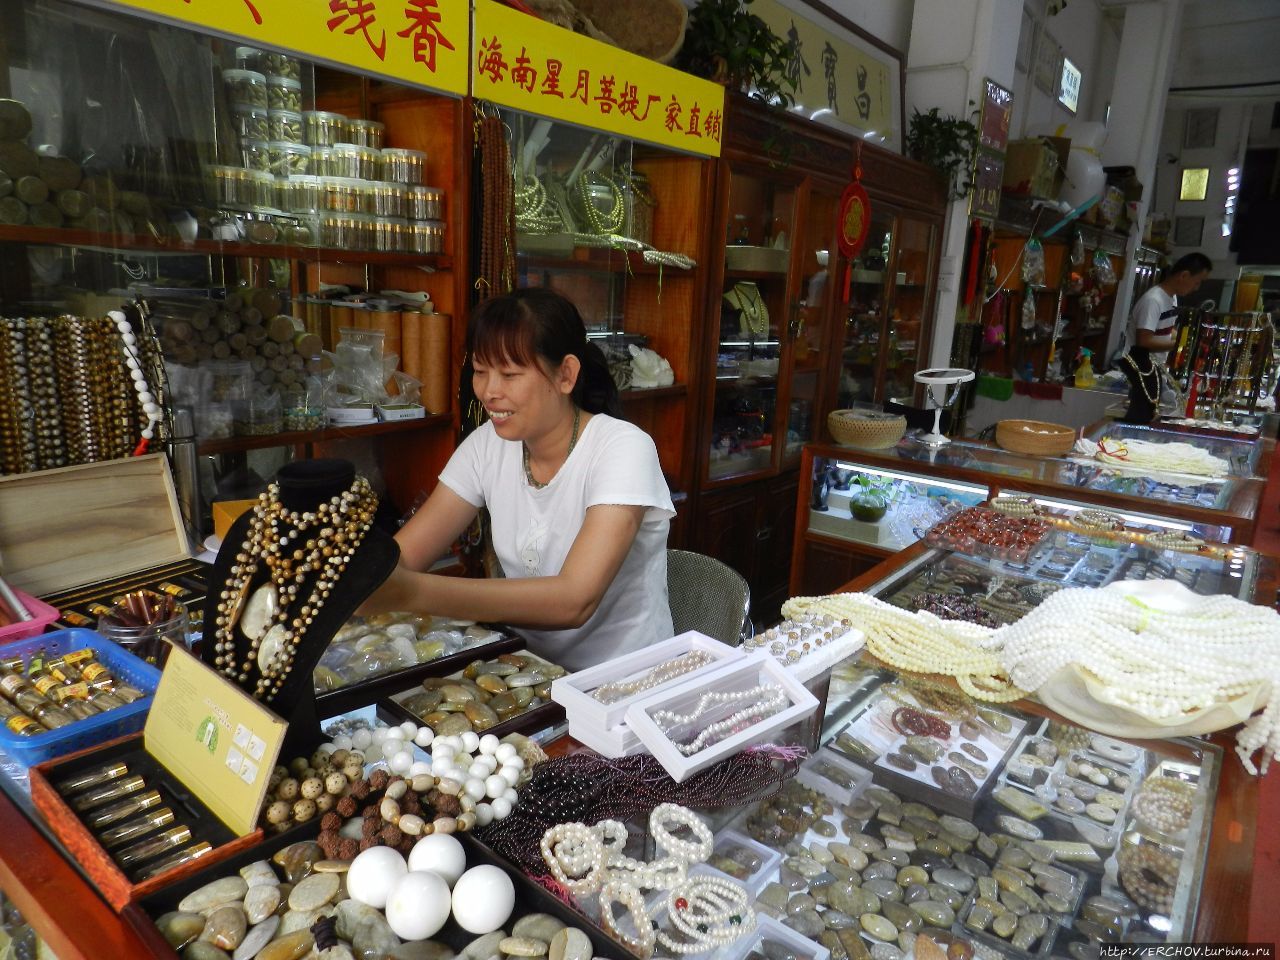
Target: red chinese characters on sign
column 551, row 82
column 582, row 89
column 673, row 114
column 693, row 130
column 522, row 74
column 365, row 15
column 606, row 100
column 492, row 63
column 423, row 17
column 257, row 17
column 629, row 102
column 711, row 125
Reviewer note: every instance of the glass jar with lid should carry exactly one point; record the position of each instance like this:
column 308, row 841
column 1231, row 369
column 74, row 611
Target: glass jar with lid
column 400, row 165
column 284, row 93
column 280, row 65
column 301, row 194
column 342, row 195
column 260, row 187
column 255, row 155
column 424, row 203
column 366, row 133
column 389, row 234
column 425, row 236
column 323, row 129
column 226, row 186
column 246, row 87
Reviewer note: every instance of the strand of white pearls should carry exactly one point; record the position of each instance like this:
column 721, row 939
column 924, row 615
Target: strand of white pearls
column 918, row 642
column 667, row 719
column 643, row 941
column 146, row 398
column 663, row 673
column 708, row 912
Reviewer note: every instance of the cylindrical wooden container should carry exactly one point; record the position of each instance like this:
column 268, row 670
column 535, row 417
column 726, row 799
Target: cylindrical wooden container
column 411, row 343
column 340, row 316
column 387, row 322
column 434, row 353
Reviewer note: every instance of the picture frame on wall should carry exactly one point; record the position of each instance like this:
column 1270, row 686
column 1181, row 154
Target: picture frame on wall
column 1048, row 66
column 844, row 77
column 1201, row 128
column 1188, row 231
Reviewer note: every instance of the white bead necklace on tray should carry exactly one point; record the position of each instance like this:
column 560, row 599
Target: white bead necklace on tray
column 762, row 701
column 617, row 690
column 707, row 912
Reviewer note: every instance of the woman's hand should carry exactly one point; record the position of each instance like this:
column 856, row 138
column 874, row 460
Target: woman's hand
column 396, row 593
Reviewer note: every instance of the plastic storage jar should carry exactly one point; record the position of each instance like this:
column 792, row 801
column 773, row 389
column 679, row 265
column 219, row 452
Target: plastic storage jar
column 388, row 199
column 301, row 194
column 284, row 93
column 342, row 195
column 403, row 166
column 228, row 186
column 424, row 203
column 280, row 65
column 390, row 234
column 251, row 122
column 324, row 129
column 261, row 187
column 367, row 133
column 255, row 155
column 353, row 160
column 288, row 159
column 324, row 162
column 149, row 642
column 246, row 87
column 426, row 236
column 285, row 125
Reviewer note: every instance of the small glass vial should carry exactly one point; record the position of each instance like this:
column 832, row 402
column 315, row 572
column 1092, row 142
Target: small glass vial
column 105, row 700
column 186, row 855
column 52, row 716
column 114, row 790
column 136, row 829
column 93, row 778
column 22, row 725
column 81, row 710
column 153, row 846
column 123, row 810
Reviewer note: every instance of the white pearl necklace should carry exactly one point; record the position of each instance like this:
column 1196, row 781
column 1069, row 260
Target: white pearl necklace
column 707, row 912
column 146, row 398
column 663, row 673
column 767, row 698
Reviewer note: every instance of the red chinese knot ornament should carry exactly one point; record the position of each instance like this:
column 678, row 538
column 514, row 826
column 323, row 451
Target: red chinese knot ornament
column 854, row 220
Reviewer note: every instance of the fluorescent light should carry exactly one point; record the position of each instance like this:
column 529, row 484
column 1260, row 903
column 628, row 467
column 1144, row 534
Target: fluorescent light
column 1234, row 171
column 927, row 481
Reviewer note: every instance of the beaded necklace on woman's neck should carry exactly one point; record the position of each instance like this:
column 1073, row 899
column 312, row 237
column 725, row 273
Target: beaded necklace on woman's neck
column 573, row 442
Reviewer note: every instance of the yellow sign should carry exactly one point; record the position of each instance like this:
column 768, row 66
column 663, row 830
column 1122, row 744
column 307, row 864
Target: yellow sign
column 420, row 42
column 839, row 78
column 220, row 742
column 521, row 62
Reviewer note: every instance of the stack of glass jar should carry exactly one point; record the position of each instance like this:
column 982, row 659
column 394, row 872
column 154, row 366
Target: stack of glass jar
column 330, row 173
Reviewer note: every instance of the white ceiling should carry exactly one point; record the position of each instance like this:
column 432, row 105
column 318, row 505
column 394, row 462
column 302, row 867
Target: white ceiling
column 1228, row 42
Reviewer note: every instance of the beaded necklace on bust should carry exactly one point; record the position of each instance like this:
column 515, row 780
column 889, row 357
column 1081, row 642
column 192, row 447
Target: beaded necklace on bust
column 268, row 617
column 573, row 442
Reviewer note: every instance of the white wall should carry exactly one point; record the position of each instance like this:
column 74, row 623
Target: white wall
column 1090, row 40
column 887, row 20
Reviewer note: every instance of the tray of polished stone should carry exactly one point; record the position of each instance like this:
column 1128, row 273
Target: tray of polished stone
column 951, row 765
column 508, row 694
column 376, row 656
column 740, row 858
column 284, row 900
column 1073, row 840
column 1032, row 763
column 773, row 941
column 1103, row 918
column 834, row 775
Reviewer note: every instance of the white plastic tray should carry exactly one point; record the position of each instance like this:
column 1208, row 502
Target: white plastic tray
column 770, row 859
column 614, row 742
column 827, row 656
column 573, row 691
column 809, row 774
column 742, row 674
column 768, row 928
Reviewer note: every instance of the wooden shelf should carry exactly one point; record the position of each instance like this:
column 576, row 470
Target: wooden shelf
column 755, row 275
column 58, row 236
column 655, row 393
column 601, row 260
column 299, row 437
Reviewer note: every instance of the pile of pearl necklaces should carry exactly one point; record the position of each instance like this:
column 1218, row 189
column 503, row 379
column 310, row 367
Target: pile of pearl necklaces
column 663, row 673
column 709, row 911
column 1159, row 665
column 762, row 701
column 918, row 642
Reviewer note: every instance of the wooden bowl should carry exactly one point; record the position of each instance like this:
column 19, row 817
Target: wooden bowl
column 868, row 429
column 1035, row 437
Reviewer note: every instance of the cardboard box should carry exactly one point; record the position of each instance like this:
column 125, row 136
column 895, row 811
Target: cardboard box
column 227, row 512
column 1036, row 167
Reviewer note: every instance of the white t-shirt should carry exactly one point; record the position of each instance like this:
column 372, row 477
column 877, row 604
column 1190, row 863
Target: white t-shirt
column 614, row 462
column 1156, row 311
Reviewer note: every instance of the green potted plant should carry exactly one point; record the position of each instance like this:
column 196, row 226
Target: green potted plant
column 870, row 500
column 946, row 144
column 729, row 44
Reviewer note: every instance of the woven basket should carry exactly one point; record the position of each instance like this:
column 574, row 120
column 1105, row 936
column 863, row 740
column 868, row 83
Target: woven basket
column 869, row 430
column 1035, row 437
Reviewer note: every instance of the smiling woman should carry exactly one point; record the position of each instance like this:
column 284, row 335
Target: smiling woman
column 579, row 507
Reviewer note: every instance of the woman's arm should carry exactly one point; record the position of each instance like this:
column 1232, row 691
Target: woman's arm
column 565, row 600
column 433, row 529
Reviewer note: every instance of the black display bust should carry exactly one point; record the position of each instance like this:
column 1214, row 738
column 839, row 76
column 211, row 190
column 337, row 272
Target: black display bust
column 303, row 486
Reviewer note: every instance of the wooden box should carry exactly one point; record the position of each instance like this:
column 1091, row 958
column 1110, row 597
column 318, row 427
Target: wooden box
column 116, row 887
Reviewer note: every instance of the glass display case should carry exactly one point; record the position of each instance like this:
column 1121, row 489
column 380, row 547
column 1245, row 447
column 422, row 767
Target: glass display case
column 1240, row 453
column 889, row 314
column 616, row 226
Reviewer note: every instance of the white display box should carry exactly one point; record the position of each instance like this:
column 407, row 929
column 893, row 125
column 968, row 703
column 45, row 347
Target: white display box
column 834, row 775
column 758, row 879
column 827, row 656
column 574, row 690
column 768, row 928
column 744, row 674
column 614, row 742
column 400, row 411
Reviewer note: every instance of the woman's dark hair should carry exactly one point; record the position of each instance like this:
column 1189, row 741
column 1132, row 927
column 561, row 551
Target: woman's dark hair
column 1191, row 263
column 539, row 324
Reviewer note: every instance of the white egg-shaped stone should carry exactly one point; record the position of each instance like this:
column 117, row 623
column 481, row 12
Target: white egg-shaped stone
column 379, row 734
column 424, row 736
column 484, row 814
column 495, row 787
column 439, row 853
column 419, row 767
column 505, row 752
column 474, row 788
column 483, row 899
column 342, row 742
column 410, row 729
column 501, row 808
column 395, row 733
column 470, row 741
column 361, row 739
column 419, row 905
column 488, row 744
column 373, row 874
column 400, row 762
column 510, row 796
column 510, row 774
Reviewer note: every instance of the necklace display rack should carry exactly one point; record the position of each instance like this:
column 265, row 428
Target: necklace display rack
column 302, row 486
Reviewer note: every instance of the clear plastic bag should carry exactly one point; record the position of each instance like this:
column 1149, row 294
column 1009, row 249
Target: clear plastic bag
column 1029, row 311
column 407, row 389
column 1103, row 273
column 1033, row 264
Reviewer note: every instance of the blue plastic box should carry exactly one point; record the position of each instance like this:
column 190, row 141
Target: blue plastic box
column 130, row 718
